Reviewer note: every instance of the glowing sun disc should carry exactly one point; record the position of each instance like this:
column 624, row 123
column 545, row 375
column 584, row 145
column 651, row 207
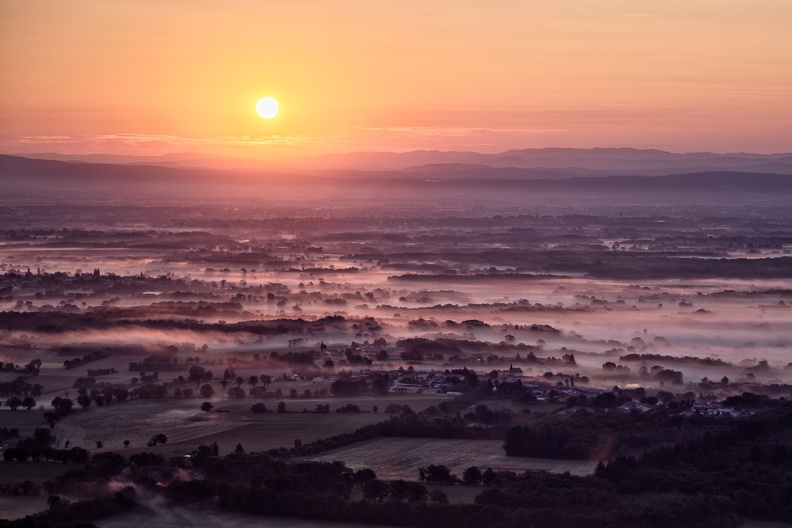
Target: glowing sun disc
column 267, row 107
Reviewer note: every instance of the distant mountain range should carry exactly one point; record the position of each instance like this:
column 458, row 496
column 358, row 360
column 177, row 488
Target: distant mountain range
column 600, row 171
column 627, row 161
column 545, row 162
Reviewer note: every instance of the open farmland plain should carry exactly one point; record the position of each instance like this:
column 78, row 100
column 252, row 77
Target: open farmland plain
column 319, row 350
column 400, row 458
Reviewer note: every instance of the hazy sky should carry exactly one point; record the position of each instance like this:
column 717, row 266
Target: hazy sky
column 155, row 76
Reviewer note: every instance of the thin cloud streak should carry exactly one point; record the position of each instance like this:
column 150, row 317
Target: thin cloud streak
column 46, row 139
column 458, row 131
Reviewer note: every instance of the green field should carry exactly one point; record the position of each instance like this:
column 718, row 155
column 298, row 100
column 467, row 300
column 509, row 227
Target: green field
column 271, row 431
column 400, row 458
column 230, row 422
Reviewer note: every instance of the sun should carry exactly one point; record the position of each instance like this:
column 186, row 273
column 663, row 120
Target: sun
column 267, row 107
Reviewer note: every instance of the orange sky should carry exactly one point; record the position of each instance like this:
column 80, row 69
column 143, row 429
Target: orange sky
column 158, row 76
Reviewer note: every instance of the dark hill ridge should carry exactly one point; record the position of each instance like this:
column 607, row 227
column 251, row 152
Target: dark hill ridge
column 463, row 170
column 617, row 161
column 59, row 180
column 720, row 181
column 73, row 171
column 612, row 159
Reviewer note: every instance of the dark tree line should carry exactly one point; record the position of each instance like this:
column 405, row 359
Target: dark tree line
column 20, row 387
column 39, row 447
column 580, row 435
column 749, row 464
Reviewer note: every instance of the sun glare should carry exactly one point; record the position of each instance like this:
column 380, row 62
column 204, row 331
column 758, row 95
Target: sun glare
column 267, row 107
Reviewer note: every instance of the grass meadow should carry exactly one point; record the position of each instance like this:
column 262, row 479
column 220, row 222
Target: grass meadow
column 400, row 458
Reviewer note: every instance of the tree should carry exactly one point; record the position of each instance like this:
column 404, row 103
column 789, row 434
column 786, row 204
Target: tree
column 207, row 406
column 201, row 456
column 397, row 489
column 121, row 394
column 239, row 448
column 349, row 408
column 236, row 393
column 51, row 418
column 258, row 408
column 126, row 443
column 281, row 407
column 674, row 376
column 416, row 492
column 13, row 403
column 207, row 391
column 28, row 403
column 375, row 489
column 196, row 374
column 381, row 384
column 158, row 439
column 472, row 476
column 437, row 474
column 63, row 406
column 253, row 380
column 438, row 496
column 43, row 436
column 84, row 401
column 364, row 475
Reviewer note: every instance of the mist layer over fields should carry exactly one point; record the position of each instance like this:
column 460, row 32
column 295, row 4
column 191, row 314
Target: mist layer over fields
column 711, row 281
